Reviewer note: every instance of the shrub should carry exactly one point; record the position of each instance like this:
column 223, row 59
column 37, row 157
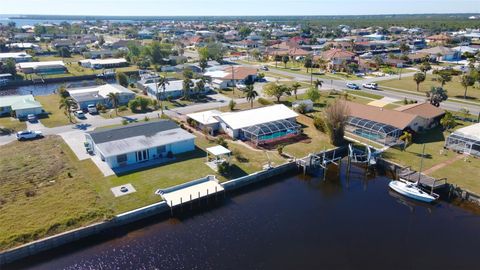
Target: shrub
column 301, row 108
column 122, row 108
column 280, row 149
column 221, row 141
column 146, row 119
column 319, row 123
column 124, row 122
column 231, row 105
column 264, row 101
column 223, row 168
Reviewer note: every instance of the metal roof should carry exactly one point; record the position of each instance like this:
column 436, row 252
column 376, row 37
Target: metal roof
column 248, row 118
column 372, row 125
column 271, row 127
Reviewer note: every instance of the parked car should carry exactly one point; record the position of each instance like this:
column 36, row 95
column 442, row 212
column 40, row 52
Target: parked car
column 92, row 109
column 373, row 86
column 31, row 118
column 79, row 114
column 264, row 68
column 241, row 86
column 353, row 86
column 29, row 135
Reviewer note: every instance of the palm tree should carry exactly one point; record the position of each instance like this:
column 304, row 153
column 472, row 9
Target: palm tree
column 186, row 88
column 444, row 78
column 466, row 81
column 295, row 87
column 250, row 94
column 162, row 83
column 69, row 105
column 114, row 98
column 419, row 77
column 318, row 83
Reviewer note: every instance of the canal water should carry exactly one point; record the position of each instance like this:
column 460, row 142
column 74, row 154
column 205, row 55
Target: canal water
column 45, row 89
column 294, row 222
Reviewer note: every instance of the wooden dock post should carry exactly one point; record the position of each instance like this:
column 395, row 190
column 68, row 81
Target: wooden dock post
column 171, row 208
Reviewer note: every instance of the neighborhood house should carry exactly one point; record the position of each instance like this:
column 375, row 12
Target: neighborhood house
column 139, row 142
column 47, row 67
column 174, row 89
column 104, row 63
column 99, row 95
column 224, row 77
column 20, row 106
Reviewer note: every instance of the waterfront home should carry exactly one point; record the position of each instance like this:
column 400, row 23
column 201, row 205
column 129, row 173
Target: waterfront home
column 48, row 67
column 139, row 142
column 441, row 53
column 85, row 96
column 103, row 63
column 228, row 76
column 386, row 126
column 465, row 140
column 99, row 54
column 22, row 46
column 18, row 57
column 173, row 90
column 20, row 106
column 259, row 126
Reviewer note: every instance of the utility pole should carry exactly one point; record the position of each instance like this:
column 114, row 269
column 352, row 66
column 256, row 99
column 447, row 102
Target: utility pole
column 233, row 80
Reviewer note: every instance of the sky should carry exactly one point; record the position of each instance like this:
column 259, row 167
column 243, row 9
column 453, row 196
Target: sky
column 235, row 7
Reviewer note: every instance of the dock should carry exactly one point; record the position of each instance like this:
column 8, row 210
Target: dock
column 321, row 160
column 190, row 191
column 424, row 180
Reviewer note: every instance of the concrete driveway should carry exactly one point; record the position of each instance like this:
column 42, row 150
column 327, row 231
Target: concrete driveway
column 75, row 140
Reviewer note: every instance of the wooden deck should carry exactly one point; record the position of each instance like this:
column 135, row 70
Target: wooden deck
column 425, row 180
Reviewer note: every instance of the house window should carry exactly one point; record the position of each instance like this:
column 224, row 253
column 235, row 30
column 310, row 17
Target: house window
column 161, row 149
column 122, row 158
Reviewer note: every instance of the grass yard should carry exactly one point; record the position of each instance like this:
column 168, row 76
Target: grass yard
column 44, row 190
column 56, row 117
column 11, row 123
column 454, row 88
column 364, row 94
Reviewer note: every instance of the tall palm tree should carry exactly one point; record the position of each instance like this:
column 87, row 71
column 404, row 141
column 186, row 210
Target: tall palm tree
column 419, row 77
column 295, row 87
column 318, row 83
column 68, row 105
column 162, row 83
column 187, row 84
column 114, row 98
column 444, row 78
column 250, row 94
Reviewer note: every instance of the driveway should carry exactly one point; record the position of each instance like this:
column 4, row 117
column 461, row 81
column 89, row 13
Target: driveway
column 75, row 140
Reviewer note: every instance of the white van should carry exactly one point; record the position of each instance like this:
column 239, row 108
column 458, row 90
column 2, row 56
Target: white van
column 92, row 108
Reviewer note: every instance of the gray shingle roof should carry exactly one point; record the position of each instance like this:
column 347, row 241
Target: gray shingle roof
column 147, row 129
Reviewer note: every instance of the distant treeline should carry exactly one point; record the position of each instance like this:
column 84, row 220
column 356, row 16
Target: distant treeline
column 441, row 22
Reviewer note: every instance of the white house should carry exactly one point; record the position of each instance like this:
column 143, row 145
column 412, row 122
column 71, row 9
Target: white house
column 226, row 76
column 99, row 95
column 18, row 57
column 174, row 89
column 103, row 63
column 260, row 126
column 47, row 67
column 139, row 142
column 21, row 106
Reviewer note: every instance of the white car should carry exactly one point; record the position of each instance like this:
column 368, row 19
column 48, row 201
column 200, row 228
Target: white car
column 92, row 108
column 373, row 86
column 79, row 114
column 28, row 135
column 32, row 118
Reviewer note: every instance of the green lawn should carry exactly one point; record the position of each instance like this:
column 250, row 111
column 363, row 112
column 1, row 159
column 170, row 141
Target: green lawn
column 11, row 123
column 364, row 94
column 56, row 117
column 454, row 88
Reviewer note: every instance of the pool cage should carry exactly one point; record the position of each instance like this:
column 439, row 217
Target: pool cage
column 373, row 131
column 463, row 143
column 271, row 132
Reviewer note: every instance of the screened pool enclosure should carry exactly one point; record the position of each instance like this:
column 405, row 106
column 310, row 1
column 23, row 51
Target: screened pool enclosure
column 373, row 131
column 463, row 143
column 271, row 132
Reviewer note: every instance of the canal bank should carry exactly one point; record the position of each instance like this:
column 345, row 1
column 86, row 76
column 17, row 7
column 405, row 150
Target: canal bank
column 160, row 208
column 349, row 221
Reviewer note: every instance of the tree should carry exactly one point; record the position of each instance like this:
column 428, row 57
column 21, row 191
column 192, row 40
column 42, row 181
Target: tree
column 318, row 83
column 199, row 87
column 186, row 86
column 424, row 67
column 335, row 118
column 274, row 90
column 295, row 87
column 448, row 121
column 250, row 94
column 285, row 60
column 137, row 102
column 68, row 105
column 313, row 94
column 437, row 95
column 114, row 98
column 232, row 104
column 467, row 80
column 244, row 31
column 187, row 73
column 404, row 48
column 8, row 67
column 308, row 63
column 162, row 83
column 122, row 79
column 277, row 58
column 64, row 52
column 443, row 78
column 203, row 63
column 419, row 77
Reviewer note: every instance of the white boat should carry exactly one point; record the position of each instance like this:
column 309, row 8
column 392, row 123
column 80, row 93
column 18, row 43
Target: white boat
column 412, row 190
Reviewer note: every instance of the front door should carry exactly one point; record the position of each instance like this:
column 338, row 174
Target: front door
column 142, row 155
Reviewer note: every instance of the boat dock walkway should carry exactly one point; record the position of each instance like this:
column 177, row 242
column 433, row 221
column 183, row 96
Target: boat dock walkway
column 423, row 179
column 190, row 191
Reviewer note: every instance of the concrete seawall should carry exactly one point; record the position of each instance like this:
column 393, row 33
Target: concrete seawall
column 58, row 240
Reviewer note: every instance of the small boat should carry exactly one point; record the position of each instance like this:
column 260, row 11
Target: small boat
column 412, row 190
